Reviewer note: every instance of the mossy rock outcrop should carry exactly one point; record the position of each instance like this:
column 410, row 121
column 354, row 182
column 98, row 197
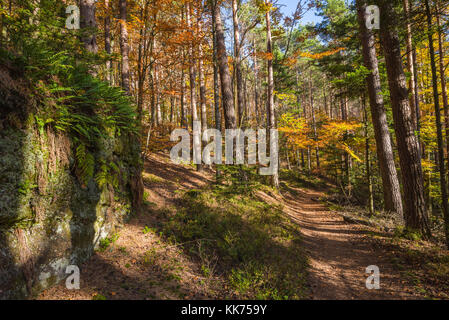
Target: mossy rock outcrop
column 49, row 217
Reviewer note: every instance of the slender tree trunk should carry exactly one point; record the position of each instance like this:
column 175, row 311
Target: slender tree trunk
column 202, row 80
column 225, row 76
column 368, row 159
column 237, row 63
column 124, row 49
column 256, row 92
column 410, row 59
column 270, row 93
column 289, row 167
column 184, row 122
column 416, row 216
column 216, row 85
column 172, row 108
column 317, row 150
column 438, row 121
column 416, row 106
column 157, row 94
column 192, row 75
column 107, row 40
column 1, row 24
column 443, row 83
column 390, row 181
column 192, row 71
column 215, row 64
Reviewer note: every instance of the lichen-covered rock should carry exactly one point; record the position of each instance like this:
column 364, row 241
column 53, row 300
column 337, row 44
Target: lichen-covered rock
column 48, row 218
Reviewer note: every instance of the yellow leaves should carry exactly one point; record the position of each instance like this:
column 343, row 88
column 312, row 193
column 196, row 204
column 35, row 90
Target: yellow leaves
column 265, row 6
column 288, row 98
column 350, row 152
column 337, row 129
column 296, row 131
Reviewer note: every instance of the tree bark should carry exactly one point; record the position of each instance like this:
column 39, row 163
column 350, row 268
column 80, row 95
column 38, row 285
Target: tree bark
column 225, row 76
column 124, row 49
column 390, row 181
column 315, row 135
column 237, row 64
column 215, row 65
column 416, row 216
column 201, row 77
column 107, row 40
column 410, row 60
column 443, row 82
column 438, row 121
column 192, row 71
column 270, row 93
column 368, row 158
column 89, row 25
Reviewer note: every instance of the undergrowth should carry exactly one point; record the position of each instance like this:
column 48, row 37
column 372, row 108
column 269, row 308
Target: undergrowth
column 246, row 241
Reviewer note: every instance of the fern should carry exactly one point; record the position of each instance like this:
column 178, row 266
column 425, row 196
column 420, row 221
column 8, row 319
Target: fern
column 108, row 175
column 85, row 164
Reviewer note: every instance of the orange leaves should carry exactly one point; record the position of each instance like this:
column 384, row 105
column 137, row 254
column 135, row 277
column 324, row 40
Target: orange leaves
column 264, row 55
column 317, row 56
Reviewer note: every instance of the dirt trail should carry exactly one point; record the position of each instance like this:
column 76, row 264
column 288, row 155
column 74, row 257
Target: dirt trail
column 340, row 252
column 140, row 266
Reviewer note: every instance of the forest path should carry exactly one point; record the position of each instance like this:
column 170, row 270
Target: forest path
column 139, row 264
column 339, row 253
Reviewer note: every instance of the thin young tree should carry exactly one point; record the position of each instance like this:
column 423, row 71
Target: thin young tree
column 436, row 102
column 124, row 48
column 270, row 90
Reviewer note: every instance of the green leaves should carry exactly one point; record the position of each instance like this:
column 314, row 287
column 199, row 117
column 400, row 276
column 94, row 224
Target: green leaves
column 85, row 164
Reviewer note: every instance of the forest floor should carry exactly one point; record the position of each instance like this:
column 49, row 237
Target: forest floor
column 152, row 258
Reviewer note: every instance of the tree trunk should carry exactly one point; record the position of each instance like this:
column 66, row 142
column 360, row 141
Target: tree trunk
column 216, row 86
column 368, row 159
column 237, row 63
column 410, row 60
column 203, row 105
column 315, row 135
column 184, row 122
column 157, row 95
column 89, row 25
column 438, row 121
column 124, row 49
column 390, row 181
column 443, row 82
column 192, row 71
column 107, row 40
column 192, row 75
column 270, row 93
column 225, row 76
column 416, row 216
column 215, row 65
column 256, row 92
